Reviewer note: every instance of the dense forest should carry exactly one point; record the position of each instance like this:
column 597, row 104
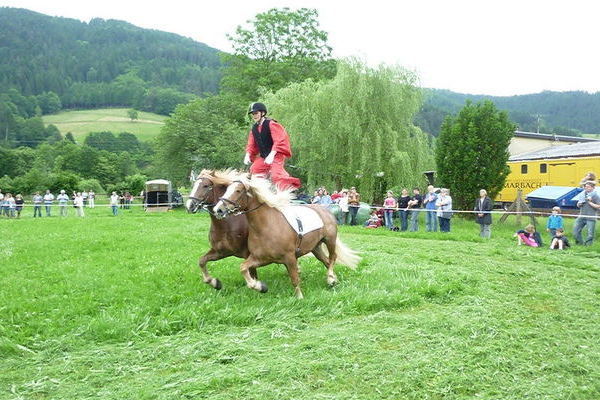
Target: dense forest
column 102, row 63
column 567, row 113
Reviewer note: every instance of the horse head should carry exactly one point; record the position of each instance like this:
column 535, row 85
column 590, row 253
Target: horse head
column 205, row 192
column 234, row 201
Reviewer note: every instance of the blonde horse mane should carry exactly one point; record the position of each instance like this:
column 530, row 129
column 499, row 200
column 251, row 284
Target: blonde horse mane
column 221, row 177
column 263, row 190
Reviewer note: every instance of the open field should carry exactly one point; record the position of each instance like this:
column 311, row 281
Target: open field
column 114, row 308
column 82, row 122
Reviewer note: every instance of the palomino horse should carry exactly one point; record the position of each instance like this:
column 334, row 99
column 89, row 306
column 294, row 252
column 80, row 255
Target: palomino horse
column 227, row 237
column 272, row 240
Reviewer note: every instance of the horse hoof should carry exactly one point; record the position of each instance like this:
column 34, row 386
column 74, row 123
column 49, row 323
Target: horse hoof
column 217, row 284
column 263, row 288
column 332, row 283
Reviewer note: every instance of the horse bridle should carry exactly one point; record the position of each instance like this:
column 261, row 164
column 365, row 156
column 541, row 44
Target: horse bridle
column 237, row 208
column 201, row 203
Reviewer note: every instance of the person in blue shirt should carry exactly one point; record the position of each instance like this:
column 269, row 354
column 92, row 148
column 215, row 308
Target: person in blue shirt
column 429, row 200
column 555, row 221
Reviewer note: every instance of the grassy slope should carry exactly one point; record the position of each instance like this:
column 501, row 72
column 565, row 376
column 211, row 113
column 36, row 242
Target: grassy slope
column 82, row 122
column 114, row 308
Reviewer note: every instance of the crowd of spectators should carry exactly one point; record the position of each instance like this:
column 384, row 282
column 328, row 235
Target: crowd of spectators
column 12, row 206
column 402, row 213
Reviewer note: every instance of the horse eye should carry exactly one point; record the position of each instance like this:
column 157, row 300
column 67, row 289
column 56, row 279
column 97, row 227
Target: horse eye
column 205, row 186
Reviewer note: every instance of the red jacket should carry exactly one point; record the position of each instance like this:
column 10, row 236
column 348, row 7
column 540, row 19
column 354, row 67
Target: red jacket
column 281, row 141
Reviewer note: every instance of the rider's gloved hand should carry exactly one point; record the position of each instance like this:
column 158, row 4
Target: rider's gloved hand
column 247, row 159
column 270, row 157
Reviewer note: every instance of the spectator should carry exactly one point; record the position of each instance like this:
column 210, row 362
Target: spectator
column 555, row 221
column 483, row 207
column 48, row 200
column 1, row 203
column 389, row 205
column 559, row 240
column 78, row 204
column 444, row 210
column 590, row 176
column 528, row 237
column 317, row 197
column 343, row 203
column 353, row 204
column 4, row 205
column 403, row 209
column 414, row 204
column 63, row 200
column 85, row 196
column 373, row 221
column 335, row 196
column 91, row 199
column 325, row 198
column 19, row 203
column 37, row 205
column 10, row 205
column 589, row 204
column 431, row 222
column 114, row 203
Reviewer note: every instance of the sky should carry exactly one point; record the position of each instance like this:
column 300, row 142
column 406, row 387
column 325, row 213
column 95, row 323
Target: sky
column 500, row 48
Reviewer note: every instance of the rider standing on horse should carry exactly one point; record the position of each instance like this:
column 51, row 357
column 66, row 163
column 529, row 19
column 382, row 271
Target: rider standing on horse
column 268, row 147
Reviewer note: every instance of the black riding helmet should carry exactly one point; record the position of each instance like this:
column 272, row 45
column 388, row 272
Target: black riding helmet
column 257, row 107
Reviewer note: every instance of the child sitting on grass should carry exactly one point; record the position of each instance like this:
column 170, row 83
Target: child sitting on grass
column 373, row 221
column 528, row 237
column 559, row 241
column 555, row 221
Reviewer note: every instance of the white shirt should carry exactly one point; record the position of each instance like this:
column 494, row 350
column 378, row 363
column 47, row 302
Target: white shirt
column 343, row 202
column 114, row 200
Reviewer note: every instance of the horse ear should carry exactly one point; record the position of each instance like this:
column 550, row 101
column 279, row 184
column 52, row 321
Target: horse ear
column 193, row 176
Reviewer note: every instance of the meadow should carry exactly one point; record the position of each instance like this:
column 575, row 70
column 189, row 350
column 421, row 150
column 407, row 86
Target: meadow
column 82, row 122
column 109, row 307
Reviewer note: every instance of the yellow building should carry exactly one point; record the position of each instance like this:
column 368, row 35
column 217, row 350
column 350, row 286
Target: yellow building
column 553, row 166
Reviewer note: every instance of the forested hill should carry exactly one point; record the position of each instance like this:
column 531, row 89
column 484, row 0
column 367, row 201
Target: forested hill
column 570, row 113
column 40, row 53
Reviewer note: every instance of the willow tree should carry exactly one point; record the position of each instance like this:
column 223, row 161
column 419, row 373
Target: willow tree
column 356, row 129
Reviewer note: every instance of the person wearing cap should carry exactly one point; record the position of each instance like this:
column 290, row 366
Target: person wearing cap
column 62, row 199
column 267, row 148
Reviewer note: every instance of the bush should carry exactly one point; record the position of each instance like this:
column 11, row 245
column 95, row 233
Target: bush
column 90, row 184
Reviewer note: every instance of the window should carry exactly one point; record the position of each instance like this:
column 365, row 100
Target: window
column 543, row 168
column 524, row 168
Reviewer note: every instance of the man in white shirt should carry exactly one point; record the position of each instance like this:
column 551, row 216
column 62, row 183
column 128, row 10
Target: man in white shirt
column 62, row 199
column 48, row 200
column 114, row 203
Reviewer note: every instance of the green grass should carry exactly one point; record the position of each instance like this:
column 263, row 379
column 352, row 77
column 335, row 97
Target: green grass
column 114, row 308
column 82, row 122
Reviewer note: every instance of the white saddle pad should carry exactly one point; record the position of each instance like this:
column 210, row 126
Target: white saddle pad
column 309, row 218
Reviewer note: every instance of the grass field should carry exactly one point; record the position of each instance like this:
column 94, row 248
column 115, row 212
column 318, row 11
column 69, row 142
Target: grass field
column 114, row 308
column 82, row 122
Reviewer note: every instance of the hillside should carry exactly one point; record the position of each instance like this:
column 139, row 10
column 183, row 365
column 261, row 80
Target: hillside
column 570, row 113
column 82, row 122
column 40, row 53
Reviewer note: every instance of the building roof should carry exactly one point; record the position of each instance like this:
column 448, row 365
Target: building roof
column 586, row 149
column 557, row 138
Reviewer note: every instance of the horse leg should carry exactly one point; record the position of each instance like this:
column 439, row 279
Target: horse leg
column 211, row 255
column 248, row 265
column 292, row 267
column 254, row 273
column 320, row 254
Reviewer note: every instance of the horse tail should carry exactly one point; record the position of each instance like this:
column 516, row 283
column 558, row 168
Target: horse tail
column 345, row 255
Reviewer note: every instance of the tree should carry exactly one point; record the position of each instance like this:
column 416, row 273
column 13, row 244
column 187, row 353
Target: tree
column 132, row 114
column 281, row 46
column 102, row 141
column 70, row 138
column 472, row 151
column 356, row 130
column 202, row 134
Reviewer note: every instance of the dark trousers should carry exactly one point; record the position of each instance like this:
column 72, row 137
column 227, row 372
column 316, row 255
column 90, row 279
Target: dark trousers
column 403, row 219
column 353, row 212
column 37, row 211
column 444, row 224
